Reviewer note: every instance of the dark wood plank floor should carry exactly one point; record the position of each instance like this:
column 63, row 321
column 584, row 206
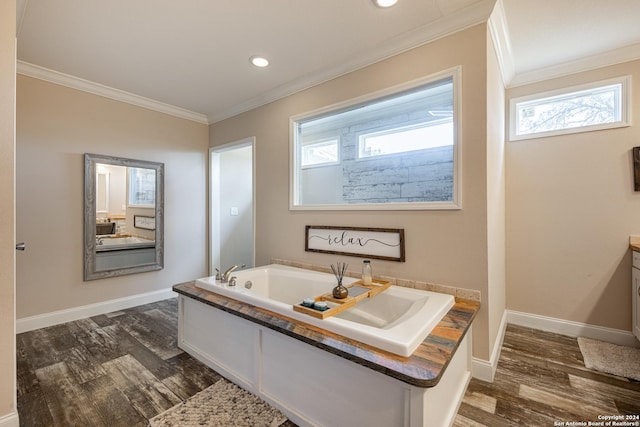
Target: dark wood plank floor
column 119, row 369
column 123, row 368
column 541, row 380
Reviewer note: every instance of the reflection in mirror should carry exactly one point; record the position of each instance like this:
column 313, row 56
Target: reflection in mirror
column 123, row 213
column 394, row 149
column 102, row 192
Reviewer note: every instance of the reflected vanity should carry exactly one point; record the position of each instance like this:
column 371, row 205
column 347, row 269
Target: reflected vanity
column 123, row 216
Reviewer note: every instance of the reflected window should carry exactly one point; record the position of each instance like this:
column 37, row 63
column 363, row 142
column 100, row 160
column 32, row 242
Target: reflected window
column 142, row 187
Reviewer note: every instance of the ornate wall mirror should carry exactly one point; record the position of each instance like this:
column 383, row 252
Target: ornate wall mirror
column 123, row 216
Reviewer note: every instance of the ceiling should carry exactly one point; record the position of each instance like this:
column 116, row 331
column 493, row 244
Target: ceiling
column 191, row 58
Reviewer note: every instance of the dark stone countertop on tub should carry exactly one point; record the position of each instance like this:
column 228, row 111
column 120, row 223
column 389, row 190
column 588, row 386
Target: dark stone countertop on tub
column 423, row 368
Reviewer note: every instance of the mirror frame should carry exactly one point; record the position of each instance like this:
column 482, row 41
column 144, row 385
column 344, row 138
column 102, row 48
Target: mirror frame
column 89, row 247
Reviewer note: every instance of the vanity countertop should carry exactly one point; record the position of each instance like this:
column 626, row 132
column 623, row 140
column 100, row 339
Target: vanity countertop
column 423, row 368
column 634, row 243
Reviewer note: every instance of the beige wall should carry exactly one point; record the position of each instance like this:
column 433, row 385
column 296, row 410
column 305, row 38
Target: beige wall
column 446, row 247
column 8, row 412
column 56, row 125
column 496, row 202
column 571, row 208
column 236, row 190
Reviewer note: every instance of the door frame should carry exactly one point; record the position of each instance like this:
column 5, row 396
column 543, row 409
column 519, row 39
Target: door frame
column 214, row 197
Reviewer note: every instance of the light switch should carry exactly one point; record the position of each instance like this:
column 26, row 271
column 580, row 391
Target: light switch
column 234, row 211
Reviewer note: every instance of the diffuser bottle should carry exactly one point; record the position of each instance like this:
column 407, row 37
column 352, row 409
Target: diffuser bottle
column 366, row 272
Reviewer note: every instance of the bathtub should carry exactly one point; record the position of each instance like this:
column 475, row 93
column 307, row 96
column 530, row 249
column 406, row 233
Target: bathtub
column 396, row 320
column 123, row 242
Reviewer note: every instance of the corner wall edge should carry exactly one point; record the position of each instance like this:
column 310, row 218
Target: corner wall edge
column 485, row 370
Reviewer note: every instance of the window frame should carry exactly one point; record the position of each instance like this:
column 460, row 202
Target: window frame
column 455, row 74
column 323, row 141
column 625, row 105
column 362, row 138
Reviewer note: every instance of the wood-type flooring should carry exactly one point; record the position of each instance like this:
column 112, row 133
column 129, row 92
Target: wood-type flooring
column 123, row 368
column 119, row 369
column 541, row 380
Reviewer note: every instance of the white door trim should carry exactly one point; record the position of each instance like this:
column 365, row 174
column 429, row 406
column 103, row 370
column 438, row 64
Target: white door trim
column 214, row 197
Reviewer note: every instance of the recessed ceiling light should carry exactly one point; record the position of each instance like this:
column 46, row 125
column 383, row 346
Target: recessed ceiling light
column 259, row 61
column 385, row 3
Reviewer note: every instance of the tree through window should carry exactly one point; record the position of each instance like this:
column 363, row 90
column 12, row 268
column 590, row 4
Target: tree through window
column 595, row 107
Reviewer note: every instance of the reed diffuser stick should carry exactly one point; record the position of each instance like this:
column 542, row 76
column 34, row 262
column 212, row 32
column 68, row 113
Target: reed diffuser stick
column 339, row 270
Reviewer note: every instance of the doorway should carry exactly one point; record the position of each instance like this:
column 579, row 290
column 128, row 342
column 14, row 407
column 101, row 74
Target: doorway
column 232, row 205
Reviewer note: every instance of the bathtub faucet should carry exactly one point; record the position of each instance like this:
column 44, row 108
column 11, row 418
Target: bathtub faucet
column 226, row 274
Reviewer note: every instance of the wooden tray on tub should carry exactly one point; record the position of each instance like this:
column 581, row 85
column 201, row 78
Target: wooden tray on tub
column 357, row 291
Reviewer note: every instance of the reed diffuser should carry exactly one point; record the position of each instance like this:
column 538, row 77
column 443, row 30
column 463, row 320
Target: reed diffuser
column 340, row 292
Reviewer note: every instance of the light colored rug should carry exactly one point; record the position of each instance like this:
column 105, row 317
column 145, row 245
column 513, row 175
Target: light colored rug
column 223, row 404
column 610, row 358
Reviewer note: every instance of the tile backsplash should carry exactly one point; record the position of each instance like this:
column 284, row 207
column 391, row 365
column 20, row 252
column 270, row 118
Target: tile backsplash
column 467, row 294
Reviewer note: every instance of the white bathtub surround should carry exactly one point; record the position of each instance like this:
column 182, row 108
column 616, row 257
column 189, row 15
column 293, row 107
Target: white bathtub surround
column 123, row 242
column 310, row 374
column 463, row 293
column 396, row 320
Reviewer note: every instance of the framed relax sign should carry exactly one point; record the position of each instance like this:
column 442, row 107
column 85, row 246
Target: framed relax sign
column 377, row 243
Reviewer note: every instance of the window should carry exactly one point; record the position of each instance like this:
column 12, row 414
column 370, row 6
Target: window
column 437, row 133
column 393, row 149
column 595, row 106
column 321, row 153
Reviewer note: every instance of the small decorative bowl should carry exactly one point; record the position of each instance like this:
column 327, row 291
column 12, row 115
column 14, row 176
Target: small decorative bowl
column 320, row 305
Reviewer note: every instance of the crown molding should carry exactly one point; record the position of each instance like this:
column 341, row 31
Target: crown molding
column 468, row 17
column 501, row 39
column 21, row 10
column 73, row 82
column 499, row 31
column 475, row 14
column 613, row 57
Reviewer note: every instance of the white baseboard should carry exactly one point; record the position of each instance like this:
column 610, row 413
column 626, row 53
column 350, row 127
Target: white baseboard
column 54, row 318
column 485, row 370
column 10, row 420
column 572, row 329
column 482, row 369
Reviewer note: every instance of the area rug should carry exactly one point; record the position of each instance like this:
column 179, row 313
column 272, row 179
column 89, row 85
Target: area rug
column 223, row 404
column 610, row 358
